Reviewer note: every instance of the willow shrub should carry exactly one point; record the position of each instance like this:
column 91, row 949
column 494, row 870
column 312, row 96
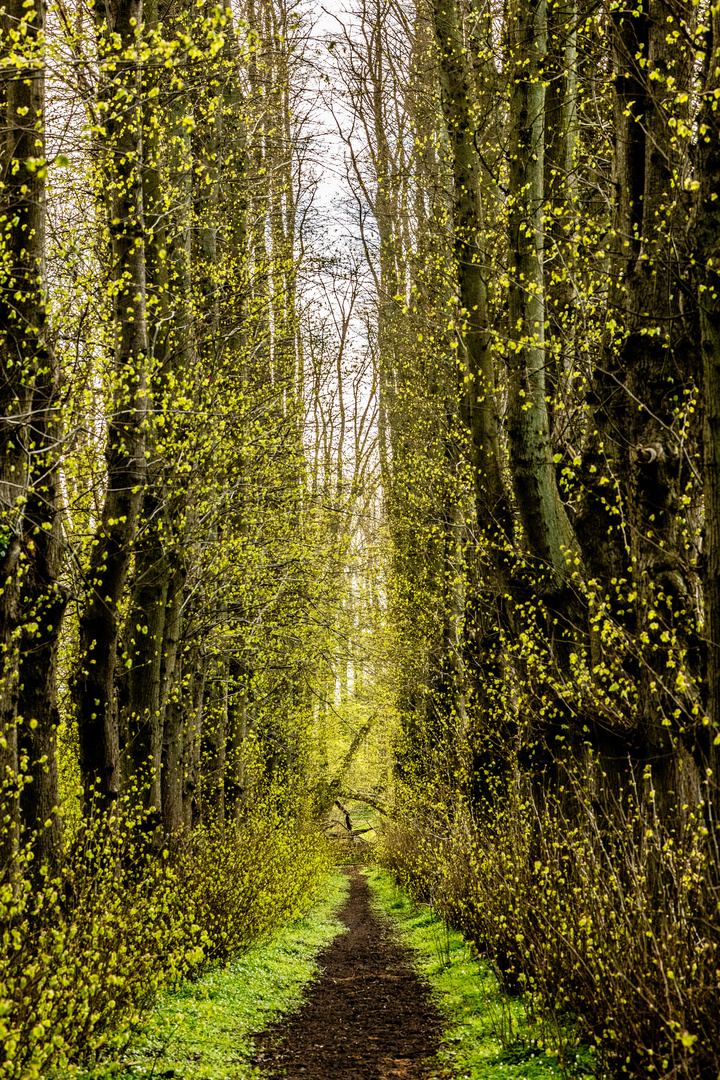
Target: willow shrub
column 85, row 949
column 609, row 921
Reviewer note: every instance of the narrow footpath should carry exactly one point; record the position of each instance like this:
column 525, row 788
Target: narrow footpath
column 367, row 1016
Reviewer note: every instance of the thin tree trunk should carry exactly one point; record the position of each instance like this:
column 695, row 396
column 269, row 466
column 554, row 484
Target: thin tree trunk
column 214, row 750
column 171, row 710
column 237, row 733
column 145, row 639
column 154, row 622
column 478, row 407
column 192, row 742
column 561, row 141
column 146, row 618
column 43, row 607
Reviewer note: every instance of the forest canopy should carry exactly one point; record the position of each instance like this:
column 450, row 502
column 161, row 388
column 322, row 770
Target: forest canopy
column 360, row 440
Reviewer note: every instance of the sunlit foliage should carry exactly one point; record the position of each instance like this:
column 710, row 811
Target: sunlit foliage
column 422, row 510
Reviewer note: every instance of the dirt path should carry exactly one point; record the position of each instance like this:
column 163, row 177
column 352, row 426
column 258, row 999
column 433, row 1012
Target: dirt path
column 367, row 1016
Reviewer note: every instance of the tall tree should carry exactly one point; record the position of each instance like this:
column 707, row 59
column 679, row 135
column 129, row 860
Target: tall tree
column 120, row 29
column 32, row 604
column 547, row 531
column 640, row 508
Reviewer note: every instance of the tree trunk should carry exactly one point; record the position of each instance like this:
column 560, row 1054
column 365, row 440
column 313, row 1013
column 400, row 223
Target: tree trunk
column 125, row 453
column 562, row 211
column 171, row 706
column 478, row 408
column 31, row 605
column 640, row 511
column 145, row 639
column 192, row 742
column 237, row 734
column 548, row 534
column 43, row 608
column 214, row 749
column 154, row 621
column 706, row 231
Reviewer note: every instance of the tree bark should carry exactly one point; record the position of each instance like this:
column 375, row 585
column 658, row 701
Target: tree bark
column 214, row 750
column 478, row 407
column 154, row 621
column 548, row 534
column 192, row 742
column 43, row 606
column 640, row 507
column 171, row 706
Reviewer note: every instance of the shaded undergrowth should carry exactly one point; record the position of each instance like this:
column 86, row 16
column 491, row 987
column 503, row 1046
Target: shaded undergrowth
column 602, row 914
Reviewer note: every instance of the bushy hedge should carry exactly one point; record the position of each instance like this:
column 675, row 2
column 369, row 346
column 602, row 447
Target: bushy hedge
column 243, row 890
column 609, row 920
column 85, row 951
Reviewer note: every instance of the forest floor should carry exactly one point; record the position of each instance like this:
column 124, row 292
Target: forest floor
column 367, row 1016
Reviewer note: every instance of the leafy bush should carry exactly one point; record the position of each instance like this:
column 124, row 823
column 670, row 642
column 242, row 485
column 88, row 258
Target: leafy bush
column 608, row 918
column 84, row 954
column 242, row 888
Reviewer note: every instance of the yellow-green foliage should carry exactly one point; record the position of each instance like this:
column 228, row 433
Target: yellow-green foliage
column 609, row 919
column 84, row 955
column 242, row 888
column 204, row 1028
column 489, row 1033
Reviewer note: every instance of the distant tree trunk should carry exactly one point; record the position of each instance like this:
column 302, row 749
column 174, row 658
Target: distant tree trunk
column 171, row 705
column 214, row 749
column 281, row 205
column 237, row 734
column 192, row 741
column 43, row 607
column 118, row 36
column 145, row 638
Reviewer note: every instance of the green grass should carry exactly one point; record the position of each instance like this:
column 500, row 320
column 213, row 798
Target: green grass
column 204, row 1029
column 489, row 1035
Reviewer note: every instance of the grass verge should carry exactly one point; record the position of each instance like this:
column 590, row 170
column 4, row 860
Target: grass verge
column 204, row 1029
column 489, row 1034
